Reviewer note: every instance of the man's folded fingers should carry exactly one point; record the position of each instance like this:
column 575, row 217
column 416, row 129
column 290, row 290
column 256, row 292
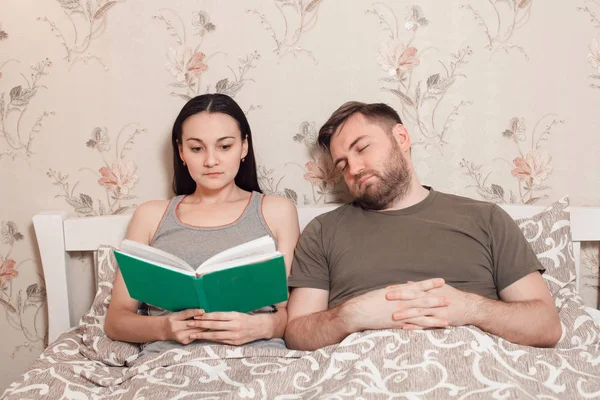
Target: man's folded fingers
column 402, row 294
column 428, row 284
column 427, row 322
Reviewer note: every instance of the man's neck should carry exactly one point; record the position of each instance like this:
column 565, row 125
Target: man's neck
column 416, row 194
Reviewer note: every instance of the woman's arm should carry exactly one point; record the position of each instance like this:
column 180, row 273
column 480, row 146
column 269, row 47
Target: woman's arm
column 122, row 321
column 281, row 216
column 234, row 328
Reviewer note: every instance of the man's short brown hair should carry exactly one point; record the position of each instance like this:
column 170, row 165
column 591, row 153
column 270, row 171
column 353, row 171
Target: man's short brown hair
column 378, row 112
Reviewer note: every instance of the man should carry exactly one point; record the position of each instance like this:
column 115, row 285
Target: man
column 450, row 260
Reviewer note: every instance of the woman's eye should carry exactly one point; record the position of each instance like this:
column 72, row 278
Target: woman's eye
column 196, row 149
column 226, row 146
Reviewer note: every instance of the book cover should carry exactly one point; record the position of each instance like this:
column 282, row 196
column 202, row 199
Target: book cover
column 244, row 284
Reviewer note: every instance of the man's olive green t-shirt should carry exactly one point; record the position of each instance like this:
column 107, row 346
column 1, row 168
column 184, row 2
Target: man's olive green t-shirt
column 474, row 245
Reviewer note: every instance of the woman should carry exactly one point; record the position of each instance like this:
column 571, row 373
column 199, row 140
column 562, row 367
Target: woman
column 218, row 204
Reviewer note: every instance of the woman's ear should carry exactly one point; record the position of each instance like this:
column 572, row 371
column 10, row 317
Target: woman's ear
column 244, row 147
column 180, row 148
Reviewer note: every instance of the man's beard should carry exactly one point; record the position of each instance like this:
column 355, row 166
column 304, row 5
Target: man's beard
column 387, row 188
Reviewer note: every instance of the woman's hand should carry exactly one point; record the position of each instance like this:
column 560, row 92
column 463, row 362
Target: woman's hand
column 232, row 328
column 179, row 326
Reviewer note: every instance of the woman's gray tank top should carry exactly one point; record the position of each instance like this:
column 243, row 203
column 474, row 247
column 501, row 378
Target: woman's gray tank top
column 195, row 244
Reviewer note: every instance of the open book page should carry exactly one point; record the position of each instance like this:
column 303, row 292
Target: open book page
column 153, row 254
column 165, row 266
column 261, row 245
column 251, row 259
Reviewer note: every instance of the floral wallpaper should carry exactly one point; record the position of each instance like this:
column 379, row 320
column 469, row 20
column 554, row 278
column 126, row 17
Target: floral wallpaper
column 118, row 177
column 499, row 108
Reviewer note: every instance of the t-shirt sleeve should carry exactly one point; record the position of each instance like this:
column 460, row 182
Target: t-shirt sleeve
column 310, row 267
column 513, row 257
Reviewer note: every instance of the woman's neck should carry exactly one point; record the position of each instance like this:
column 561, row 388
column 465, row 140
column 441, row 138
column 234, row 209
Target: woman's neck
column 223, row 195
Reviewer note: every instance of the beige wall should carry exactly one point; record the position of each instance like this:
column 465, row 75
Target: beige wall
column 501, row 101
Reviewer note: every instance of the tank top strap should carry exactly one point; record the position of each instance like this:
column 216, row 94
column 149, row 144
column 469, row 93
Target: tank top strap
column 255, row 214
column 172, row 207
column 255, row 206
column 169, row 217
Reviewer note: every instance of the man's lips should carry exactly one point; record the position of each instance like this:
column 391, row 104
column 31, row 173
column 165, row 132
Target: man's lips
column 363, row 180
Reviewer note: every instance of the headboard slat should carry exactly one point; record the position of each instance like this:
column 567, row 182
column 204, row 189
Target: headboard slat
column 51, row 243
column 86, row 234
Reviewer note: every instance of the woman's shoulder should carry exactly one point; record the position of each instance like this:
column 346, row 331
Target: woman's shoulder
column 150, row 213
column 146, row 219
column 151, row 207
column 278, row 209
column 275, row 203
column 280, row 213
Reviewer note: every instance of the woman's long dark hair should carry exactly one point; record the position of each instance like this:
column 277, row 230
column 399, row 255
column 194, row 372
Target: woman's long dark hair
column 246, row 178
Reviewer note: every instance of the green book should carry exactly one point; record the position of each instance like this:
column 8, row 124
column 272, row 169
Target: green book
column 243, row 278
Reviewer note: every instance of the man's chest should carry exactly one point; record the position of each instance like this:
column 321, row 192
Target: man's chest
column 368, row 256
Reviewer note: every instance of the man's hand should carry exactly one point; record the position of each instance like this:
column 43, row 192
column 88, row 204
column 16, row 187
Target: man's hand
column 458, row 312
column 312, row 325
column 376, row 309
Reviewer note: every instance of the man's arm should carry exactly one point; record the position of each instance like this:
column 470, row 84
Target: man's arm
column 526, row 315
column 312, row 326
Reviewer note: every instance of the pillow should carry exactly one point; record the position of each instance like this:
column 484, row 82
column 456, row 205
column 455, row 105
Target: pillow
column 96, row 345
column 549, row 235
column 579, row 330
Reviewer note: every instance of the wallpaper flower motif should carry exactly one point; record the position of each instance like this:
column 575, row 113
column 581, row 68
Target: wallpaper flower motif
column 287, row 42
column 271, row 185
column 187, row 63
column 594, row 47
column 3, row 35
column 21, row 308
column 591, row 8
column 420, row 99
column 509, row 15
column 531, row 167
column 88, row 22
column 14, row 140
column 118, row 177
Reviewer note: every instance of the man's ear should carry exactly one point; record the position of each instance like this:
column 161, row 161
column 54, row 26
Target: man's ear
column 402, row 137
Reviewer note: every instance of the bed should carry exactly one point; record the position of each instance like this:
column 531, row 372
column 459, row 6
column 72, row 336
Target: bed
column 460, row 363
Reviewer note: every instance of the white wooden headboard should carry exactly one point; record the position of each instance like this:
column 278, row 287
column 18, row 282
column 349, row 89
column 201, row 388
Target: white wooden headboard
column 58, row 235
